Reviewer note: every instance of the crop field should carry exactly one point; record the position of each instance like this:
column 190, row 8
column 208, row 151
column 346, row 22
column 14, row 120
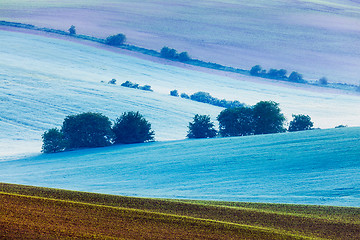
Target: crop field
column 253, row 187
column 311, row 167
column 316, row 38
column 54, row 78
column 43, row 213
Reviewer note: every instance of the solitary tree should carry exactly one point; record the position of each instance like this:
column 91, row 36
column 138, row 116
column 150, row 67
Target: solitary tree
column 116, row 40
column 300, row 123
column 53, row 141
column 87, row 130
column 237, row 121
column 268, row 118
column 132, row 127
column 72, row 30
column 201, row 127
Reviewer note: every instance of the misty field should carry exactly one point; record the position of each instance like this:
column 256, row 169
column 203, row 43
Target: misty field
column 316, row 38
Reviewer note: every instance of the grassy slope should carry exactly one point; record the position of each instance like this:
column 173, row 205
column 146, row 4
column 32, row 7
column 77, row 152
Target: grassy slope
column 311, row 167
column 36, row 211
column 313, row 37
column 54, row 78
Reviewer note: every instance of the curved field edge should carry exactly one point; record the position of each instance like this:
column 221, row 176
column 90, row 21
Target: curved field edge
column 70, row 211
column 77, row 220
column 191, row 61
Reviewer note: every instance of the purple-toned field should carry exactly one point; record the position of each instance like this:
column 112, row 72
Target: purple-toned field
column 316, row 38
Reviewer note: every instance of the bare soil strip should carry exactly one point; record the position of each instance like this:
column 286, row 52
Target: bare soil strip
column 43, row 213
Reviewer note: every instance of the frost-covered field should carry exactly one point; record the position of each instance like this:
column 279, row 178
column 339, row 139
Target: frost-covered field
column 316, row 38
column 44, row 79
column 313, row 167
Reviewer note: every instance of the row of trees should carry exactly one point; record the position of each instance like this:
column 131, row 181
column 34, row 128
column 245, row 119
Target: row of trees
column 277, row 74
column 205, row 97
column 263, row 118
column 172, row 54
column 87, row 130
column 257, row 70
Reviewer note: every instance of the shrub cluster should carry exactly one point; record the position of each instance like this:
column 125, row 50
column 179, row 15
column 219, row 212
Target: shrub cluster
column 172, row 54
column 277, row 74
column 89, row 130
column 174, row 93
column 116, row 40
column 136, row 86
column 205, row 97
column 263, row 118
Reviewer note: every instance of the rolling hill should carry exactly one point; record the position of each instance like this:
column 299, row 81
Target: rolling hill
column 33, row 212
column 316, row 38
column 310, row 167
column 45, row 79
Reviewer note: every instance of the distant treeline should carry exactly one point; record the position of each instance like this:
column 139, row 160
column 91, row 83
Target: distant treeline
column 172, row 54
column 205, row 97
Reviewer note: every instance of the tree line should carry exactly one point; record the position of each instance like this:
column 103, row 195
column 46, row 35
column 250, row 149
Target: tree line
column 265, row 117
column 89, row 130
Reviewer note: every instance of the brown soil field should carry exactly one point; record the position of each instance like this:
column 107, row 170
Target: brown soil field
column 42, row 213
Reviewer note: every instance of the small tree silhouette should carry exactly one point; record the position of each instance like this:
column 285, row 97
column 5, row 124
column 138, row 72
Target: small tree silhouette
column 201, row 127
column 300, row 123
column 132, row 127
column 72, row 30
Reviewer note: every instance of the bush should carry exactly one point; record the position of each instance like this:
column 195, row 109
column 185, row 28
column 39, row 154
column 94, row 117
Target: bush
column 132, row 127
column 146, row 88
column 296, row 77
column 203, row 97
column 256, row 70
column 323, row 81
column 112, row 81
column 268, row 118
column 183, row 57
column 277, row 74
column 300, row 123
column 168, row 53
column 116, row 40
column 174, row 93
column 130, row 85
column 136, row 86
column 201, row 127
column 184, row 95
column 72, row 30
column 53, row 141
column 87, row 130
column 236, row 122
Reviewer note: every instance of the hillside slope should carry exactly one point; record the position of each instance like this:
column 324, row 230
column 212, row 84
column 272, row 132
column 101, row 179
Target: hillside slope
column 311, row 167
column 86, row 215
column 44, row 79
column 316, row 38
